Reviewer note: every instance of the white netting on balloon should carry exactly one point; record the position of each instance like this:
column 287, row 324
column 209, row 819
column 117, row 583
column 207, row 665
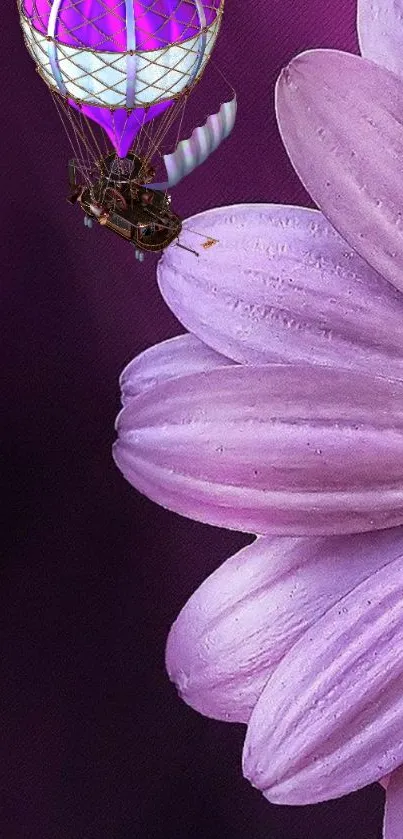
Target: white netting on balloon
column 111, row 61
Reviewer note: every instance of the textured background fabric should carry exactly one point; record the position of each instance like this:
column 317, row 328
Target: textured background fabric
column 95, row 742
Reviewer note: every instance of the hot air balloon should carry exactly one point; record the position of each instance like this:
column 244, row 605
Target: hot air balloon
column 120, row 73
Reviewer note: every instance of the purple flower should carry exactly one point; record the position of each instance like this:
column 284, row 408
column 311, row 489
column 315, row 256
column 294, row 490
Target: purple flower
column 282, row 414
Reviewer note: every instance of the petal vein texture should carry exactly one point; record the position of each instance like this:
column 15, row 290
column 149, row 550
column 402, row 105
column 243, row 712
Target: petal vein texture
column 235, row 629
column 340, row 118
column 282, row 285
column 329, row 720
column 269, row 450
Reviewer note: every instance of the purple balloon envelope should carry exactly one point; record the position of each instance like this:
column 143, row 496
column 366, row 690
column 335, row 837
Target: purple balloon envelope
column 121, row 62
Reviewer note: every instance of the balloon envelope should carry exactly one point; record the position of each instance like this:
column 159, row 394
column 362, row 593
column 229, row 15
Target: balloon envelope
column 121, row 62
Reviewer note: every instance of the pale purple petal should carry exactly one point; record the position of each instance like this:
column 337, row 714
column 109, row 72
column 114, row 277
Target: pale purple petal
column 274, row 449
column 174, row 357
column 281, row 284
column 340, row 118
column 329, row 720
column 393, row 820
column 247, row 615
column 380, row 32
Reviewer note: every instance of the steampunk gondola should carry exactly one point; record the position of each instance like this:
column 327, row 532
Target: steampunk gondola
column 119, row 199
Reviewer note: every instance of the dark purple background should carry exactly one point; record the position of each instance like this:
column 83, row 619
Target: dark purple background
column 95, row 742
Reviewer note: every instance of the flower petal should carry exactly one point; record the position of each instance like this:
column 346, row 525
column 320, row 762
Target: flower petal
column 340, row 118
column 282, row 285
column 380, row 32
column 329, row 720
column 175, row 357
column 270, row 449
column 239, row 624
column 393, row 820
